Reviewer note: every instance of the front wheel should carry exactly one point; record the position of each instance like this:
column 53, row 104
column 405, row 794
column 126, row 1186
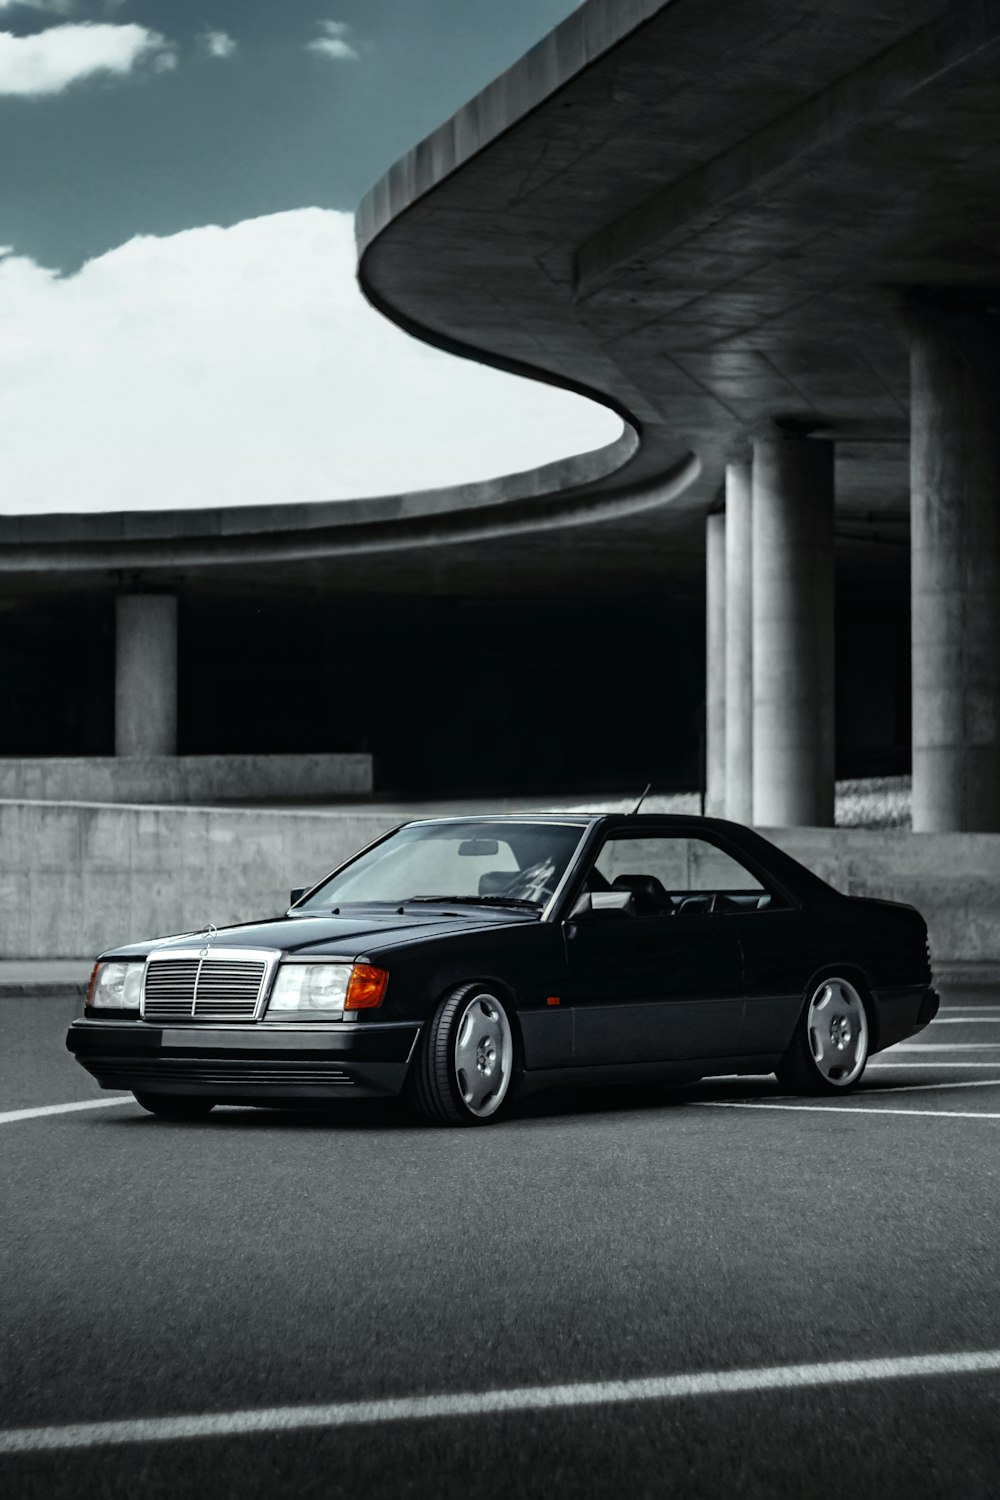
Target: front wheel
column 465, row 1066
column 175, row 1106
column 830, row 1047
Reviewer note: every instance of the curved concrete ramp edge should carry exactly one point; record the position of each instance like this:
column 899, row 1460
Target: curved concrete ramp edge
column 554, row 495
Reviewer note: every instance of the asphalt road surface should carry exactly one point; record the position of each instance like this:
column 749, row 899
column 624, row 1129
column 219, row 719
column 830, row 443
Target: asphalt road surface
column 710, row 1291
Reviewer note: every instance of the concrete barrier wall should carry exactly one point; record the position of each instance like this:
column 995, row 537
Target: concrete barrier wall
column 189, row 779
column 76, row 878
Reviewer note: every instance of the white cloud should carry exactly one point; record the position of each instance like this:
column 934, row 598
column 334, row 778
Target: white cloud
column 218, row 43
column 333, row 41
column 240, row 366
column 51, row 60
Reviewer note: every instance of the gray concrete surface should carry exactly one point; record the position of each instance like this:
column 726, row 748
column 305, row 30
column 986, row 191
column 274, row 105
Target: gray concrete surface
column 191, row 779
column 955, row 560
column 715, row 665
column 792, row 641
column 263, row 1259
column 358, row 545
column 146, row 675
column 738, row 651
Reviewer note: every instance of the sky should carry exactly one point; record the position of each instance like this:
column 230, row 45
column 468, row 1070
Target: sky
column 179, row 319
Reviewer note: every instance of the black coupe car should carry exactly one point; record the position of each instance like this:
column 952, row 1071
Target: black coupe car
column 464, row 961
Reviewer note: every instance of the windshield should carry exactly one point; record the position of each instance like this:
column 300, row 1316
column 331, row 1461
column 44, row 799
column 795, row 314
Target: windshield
column 476, row 862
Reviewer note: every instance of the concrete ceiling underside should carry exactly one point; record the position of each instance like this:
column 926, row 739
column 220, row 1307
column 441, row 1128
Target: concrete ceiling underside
column 711, row 214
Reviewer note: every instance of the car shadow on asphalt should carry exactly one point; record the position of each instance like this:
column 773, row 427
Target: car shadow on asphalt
column 395, row 1114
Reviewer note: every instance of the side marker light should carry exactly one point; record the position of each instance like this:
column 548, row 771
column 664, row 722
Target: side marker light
column 552, row 1000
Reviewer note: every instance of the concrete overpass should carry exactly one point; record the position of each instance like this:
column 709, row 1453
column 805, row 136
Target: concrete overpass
column 765, row 236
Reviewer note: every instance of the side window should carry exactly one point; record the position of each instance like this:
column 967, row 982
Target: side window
column 673, row 875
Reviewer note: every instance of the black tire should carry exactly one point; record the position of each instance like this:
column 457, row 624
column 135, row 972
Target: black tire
column 433, row 1085
column 175, row 1106
column 799, row 1069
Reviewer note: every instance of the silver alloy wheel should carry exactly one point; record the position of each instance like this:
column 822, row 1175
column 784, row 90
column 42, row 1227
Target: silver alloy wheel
column 837, row 1028
column 484, row 1055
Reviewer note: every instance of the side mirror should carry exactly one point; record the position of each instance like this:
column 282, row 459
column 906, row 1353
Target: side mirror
column 298, row 891
column 602, row 903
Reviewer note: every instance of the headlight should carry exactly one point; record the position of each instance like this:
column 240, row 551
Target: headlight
column 116, row 986
column 314, row 991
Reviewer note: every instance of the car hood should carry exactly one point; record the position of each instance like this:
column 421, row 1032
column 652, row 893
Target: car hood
column 347, row 936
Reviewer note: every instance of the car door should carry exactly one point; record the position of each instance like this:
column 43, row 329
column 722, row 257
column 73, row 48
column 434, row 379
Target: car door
column 663, row 985
column 777, row 942
column 780, row 954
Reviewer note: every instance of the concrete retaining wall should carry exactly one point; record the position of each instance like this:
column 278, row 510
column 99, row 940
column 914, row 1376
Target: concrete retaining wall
column 188, row 779
column 76, row 878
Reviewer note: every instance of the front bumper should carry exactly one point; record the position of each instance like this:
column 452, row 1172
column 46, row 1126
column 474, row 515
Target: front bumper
column 247, row 1064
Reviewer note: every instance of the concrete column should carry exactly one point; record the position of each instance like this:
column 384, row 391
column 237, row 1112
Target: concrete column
column 739, row 643
column 146, row 674
column 715, row 665
column 955, row 569
column 793, row 722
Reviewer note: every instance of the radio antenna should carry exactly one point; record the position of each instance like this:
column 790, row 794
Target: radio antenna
column 641, row 800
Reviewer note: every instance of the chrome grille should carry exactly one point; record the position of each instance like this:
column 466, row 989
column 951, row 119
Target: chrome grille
column 223, row 986
column 169, row 987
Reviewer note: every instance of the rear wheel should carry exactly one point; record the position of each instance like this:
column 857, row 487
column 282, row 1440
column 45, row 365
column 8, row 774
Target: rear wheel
column 830, row 1047
column 465, row 1068
column 176, row 1106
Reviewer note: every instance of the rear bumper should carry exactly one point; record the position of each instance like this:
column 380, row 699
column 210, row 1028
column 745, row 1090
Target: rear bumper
column 904, row 1012
column 248, row 1064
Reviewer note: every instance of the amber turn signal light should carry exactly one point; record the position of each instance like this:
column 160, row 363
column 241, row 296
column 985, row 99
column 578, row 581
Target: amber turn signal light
column 90, row 985
column 365, row 988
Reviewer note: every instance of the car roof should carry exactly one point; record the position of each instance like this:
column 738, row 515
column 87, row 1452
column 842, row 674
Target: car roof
column 582, row 819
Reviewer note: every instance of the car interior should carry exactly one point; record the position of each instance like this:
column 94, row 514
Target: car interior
column 652, row 899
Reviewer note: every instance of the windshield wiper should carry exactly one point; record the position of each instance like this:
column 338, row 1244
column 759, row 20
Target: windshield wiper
column 473, row 901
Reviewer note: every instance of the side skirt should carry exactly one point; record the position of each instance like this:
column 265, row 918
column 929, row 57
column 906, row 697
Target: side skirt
column 688, row 1071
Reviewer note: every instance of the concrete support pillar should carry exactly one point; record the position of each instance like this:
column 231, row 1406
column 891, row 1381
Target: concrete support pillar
column 955, row 569
column 715, row 665
column 739, row 644
column 146, row 674
column 793, row 707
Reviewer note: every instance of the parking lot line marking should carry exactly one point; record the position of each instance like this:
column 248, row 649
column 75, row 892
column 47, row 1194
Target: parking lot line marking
column 946, row 1047
column 280, row 1419
column 845, row 1109
column 10, row 1115
column 966, row 1021
column 916, row 1088
column 889, row 1066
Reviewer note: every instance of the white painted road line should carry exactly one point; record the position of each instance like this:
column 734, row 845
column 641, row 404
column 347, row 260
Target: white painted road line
column 890, row 1067
column 966, row 1021
column 845, row 1109
column 62, row 1109
column 280, row 1419
column 916, row 1088
column 946, row 1047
